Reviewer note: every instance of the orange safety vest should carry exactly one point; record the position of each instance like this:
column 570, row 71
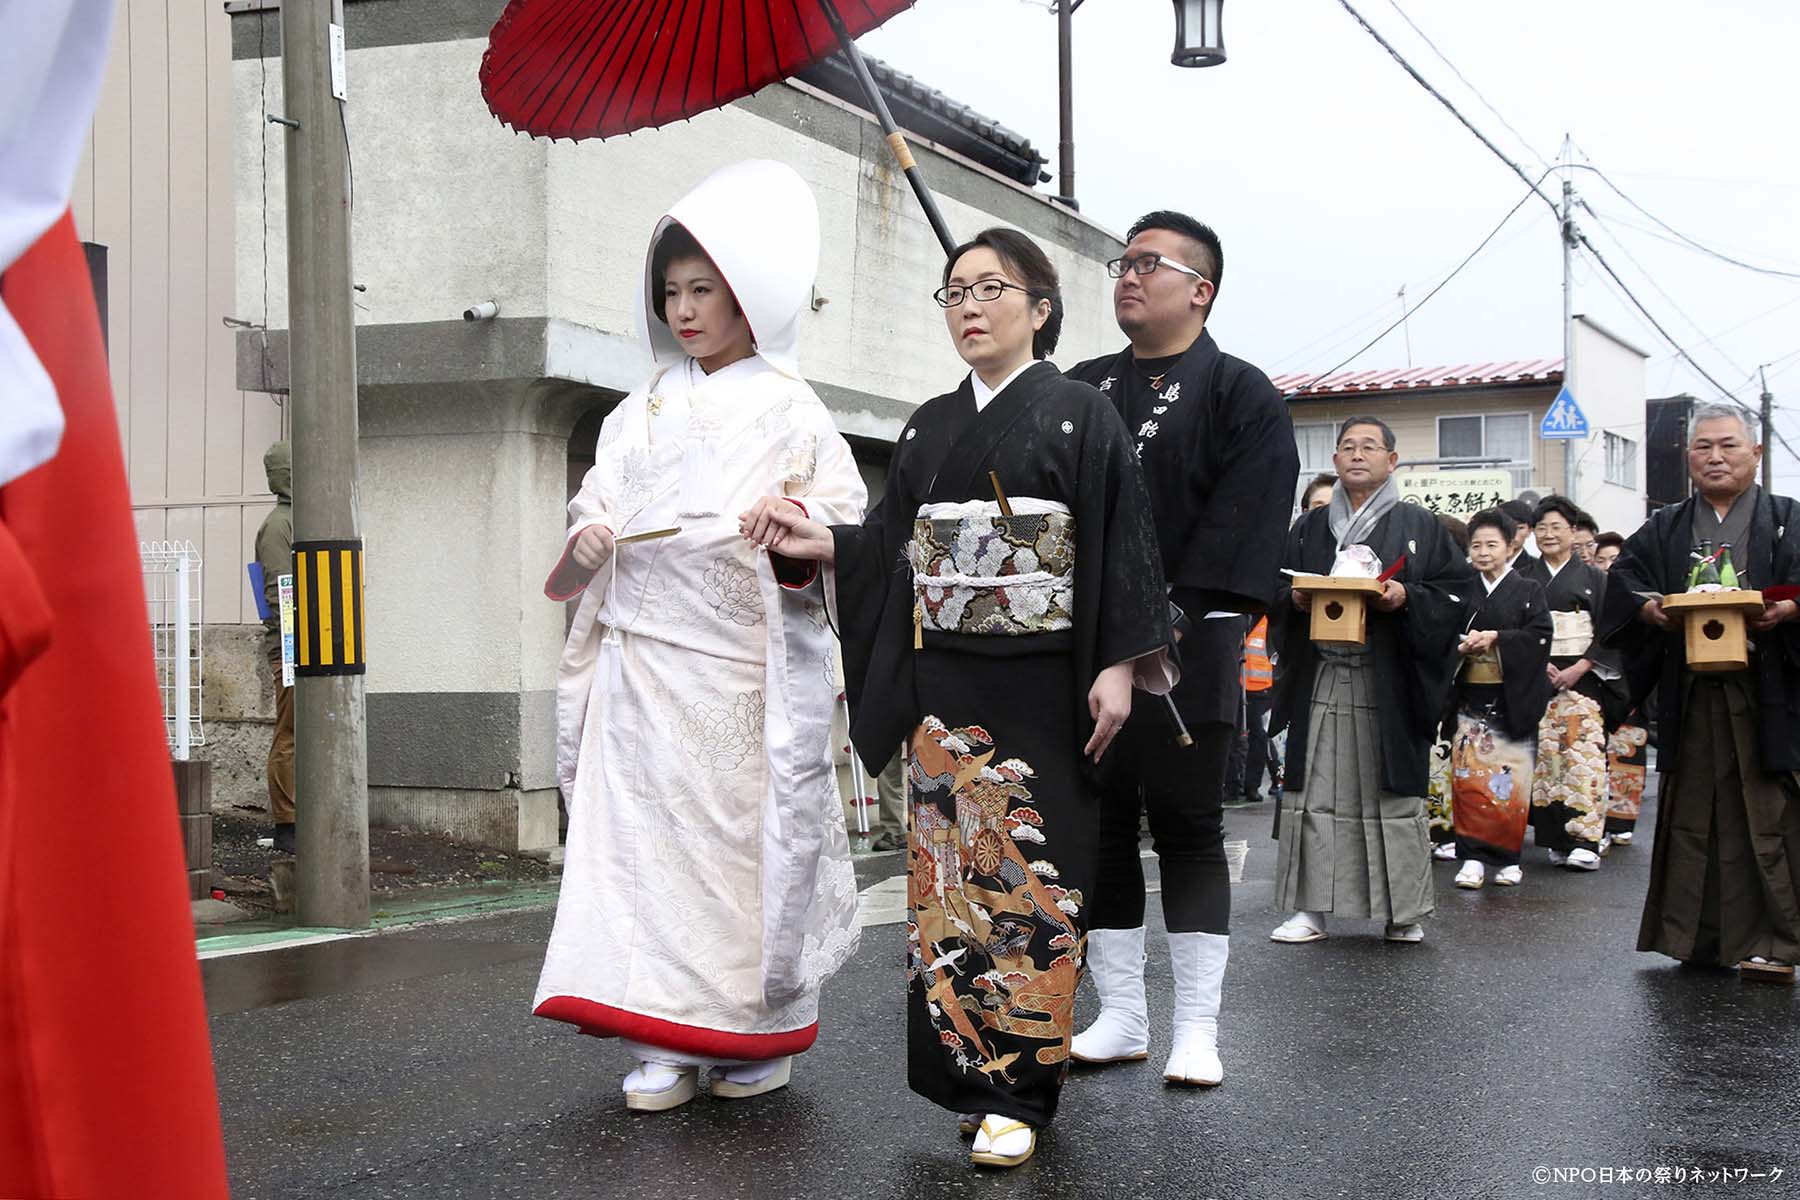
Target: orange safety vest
column 1259, row 676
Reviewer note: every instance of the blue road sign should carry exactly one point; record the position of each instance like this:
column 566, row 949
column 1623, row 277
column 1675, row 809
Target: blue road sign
column 1564, row 418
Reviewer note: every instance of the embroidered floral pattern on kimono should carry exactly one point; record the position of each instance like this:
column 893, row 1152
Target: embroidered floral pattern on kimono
column 1625, row 772
column 1004, row 576
column 1571, row 765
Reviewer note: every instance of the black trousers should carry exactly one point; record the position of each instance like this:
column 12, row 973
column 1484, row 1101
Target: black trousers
column 1252, row 753
column 1181, row 790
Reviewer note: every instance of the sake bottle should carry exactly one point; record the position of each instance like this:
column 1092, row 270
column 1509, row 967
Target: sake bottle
column 1728, row 576
column 1708, row 577
column 1700, row 564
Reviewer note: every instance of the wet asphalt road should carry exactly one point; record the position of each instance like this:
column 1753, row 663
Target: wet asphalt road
column 1523, row 1033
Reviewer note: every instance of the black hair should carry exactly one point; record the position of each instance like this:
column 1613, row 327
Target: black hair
column 1459, row 533
column 1031, row 267
column 1497, row 520
column 677, row 243
column 1518, row 510
column 1585, row 520
column 1609, row 539
column 1387, row 435
column 1324, row 479
column 1212, row 252
column 1561, row 505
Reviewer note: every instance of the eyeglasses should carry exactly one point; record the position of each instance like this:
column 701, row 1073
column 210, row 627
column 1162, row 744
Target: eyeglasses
column 1143, row 264
column 984, row 290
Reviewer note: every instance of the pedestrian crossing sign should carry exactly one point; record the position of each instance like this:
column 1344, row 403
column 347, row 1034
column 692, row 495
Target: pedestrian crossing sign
column 1564, row 419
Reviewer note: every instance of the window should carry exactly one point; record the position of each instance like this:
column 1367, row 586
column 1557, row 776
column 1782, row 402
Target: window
column 1621, row 460
column 1316, row 442
column 1503, row 436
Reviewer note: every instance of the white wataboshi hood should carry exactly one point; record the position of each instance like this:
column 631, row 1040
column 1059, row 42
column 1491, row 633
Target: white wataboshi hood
column 759, row 223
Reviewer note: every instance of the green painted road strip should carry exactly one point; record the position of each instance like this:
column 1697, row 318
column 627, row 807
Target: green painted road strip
column 425, row 908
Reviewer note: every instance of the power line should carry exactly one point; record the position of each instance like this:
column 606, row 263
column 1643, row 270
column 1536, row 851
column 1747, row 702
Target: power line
column 1677, row 234
column 1639, row 305
column 1426, row 38
column 1428, row 295
column 1454, row 111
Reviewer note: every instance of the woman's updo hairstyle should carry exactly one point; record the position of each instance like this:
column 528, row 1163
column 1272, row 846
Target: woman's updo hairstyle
column 1032, row 268
column 675, row 244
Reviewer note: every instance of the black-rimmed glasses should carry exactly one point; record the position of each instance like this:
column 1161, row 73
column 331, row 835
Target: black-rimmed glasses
column 984, row 290
column 1143, row 264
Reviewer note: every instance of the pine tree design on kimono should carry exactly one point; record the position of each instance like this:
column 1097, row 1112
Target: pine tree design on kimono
column 730, row 588
column 971, row 881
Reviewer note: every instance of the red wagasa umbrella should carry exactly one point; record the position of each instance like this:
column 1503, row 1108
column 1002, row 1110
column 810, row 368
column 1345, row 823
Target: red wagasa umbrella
column 598, row 68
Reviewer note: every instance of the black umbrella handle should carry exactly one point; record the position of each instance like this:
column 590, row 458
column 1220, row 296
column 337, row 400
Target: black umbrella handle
column 895, row 139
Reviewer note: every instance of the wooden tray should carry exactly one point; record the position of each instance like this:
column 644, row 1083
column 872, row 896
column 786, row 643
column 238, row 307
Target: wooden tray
column 1717, row 636
column 1339, row 606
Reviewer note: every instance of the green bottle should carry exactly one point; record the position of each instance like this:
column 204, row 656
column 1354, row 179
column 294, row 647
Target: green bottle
column 1700, row 564
column 1727, row 573
column 1709, row 568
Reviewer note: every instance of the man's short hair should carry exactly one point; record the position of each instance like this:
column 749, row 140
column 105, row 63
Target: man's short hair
column 1711, row 411
column 1585, row 520
column 1212, row 253
column 1560, row 505
column 1609, row 538
column 1387, row 435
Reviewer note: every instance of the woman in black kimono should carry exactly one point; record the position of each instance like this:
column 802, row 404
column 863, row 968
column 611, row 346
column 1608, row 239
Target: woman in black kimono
column 1568, row 792
column 1501, row 691
column 997, row 607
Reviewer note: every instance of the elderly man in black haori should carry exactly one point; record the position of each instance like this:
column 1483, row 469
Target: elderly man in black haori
column 1361, row 718
column 1218, row 453
column 1725, row 871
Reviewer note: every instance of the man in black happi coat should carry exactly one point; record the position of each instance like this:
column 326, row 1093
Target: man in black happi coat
column 1218, row 453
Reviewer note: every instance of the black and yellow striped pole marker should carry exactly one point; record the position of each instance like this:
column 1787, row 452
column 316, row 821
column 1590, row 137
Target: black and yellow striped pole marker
column 328, row 618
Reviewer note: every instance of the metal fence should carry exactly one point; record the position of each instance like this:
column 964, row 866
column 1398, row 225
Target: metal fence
column 172, row 587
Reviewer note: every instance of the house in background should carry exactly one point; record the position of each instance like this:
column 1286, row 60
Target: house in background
column 1488, row 414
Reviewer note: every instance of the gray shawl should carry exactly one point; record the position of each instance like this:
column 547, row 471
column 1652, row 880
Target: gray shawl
column 1350, row 528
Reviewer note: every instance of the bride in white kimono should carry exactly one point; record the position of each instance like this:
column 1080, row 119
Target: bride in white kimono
column 708, row 890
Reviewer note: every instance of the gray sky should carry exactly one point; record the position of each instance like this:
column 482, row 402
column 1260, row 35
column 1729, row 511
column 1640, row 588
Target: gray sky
column 1334, row 179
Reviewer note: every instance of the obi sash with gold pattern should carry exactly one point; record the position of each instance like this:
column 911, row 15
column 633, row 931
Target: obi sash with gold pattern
column 1483, row 667
column 990, row 575
column 1573, row 636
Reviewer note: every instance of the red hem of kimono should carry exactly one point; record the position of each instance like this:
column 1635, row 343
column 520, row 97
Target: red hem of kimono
column 604, row 1021
column 789, row 566
column 570, row 594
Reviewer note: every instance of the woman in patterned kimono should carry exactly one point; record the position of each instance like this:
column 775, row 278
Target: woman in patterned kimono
column 1501, row 690
column 997, row 606
column 708, row 890
column 1568, row 794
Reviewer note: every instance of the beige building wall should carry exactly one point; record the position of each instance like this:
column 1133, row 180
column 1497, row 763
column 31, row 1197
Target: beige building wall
column 1414, row 420
column 155, row 188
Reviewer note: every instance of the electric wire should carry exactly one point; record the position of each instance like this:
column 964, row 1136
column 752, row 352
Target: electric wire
column 1486, row 103
column 1454, row 111
column 1677, row 234
column 1311, row 383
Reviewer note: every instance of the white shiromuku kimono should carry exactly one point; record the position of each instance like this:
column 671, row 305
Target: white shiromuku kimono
column 707, row 890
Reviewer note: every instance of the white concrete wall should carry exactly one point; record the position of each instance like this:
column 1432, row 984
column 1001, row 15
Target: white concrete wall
column 1608, row 379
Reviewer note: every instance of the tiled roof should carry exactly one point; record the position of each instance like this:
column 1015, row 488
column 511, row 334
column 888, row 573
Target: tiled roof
column 1520, row 372
column 930, row 113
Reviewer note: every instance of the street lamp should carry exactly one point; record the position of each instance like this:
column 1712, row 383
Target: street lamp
column 1199, row 33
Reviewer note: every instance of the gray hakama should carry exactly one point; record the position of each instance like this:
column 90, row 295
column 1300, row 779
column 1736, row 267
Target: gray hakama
column 1348, row 847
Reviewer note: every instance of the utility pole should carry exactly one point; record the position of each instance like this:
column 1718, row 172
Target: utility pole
column 1065, row 62
column 1768, row 431
column 1570, row 459
column 331, row 759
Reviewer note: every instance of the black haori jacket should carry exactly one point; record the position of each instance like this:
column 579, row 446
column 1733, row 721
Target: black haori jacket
column 1656, row 559
column 1217, row 448
column 1412, row 651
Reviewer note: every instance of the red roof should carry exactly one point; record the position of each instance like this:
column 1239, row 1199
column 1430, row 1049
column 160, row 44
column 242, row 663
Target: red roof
column 1400, row 379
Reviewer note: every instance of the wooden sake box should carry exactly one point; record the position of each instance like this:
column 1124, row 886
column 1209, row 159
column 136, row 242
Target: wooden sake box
column 1717, row 637
column 1339, row 606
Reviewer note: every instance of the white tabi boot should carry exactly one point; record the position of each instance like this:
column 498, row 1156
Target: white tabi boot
column 1121, row 1033
column 1199, row 962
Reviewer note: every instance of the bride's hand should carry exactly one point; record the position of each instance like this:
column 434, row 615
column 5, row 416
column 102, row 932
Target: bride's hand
column 781, row 527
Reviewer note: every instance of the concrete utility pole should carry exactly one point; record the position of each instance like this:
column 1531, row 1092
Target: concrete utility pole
column 331, row 759
column 1768, row 431
column 1570, row 458
column 1065, row 77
